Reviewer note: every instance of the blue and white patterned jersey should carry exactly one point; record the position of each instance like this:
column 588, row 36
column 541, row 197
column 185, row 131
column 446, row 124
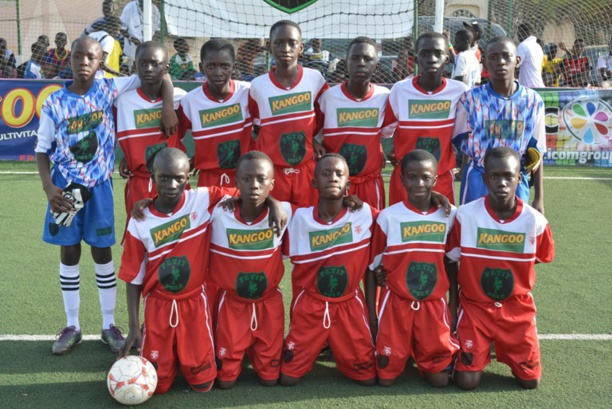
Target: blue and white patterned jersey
column 493, row 120
column 78, row 131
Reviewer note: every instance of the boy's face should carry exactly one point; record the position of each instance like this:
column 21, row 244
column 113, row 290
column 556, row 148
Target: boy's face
column 182, row 48
column 361, row 62
column 86, row 58
column 331, row 178
column 419, row 178
column 432, row 56
column 578, row 48
column 218, row 67
column 60, row 40
column 151, row 65
column 502, row 60
column 462, row 43
column 255, row 180
column 170, row 177
column 502, row 176
column 286, row 45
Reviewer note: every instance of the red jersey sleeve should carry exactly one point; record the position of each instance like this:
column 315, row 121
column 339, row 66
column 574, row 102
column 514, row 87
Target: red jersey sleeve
column 390, row 118
column 453, row 243
column 254, row 110
column 317, row 108
column 132, row 260
column 377, row 246
column 184, row 123
column 216, row 193
column 545, row 252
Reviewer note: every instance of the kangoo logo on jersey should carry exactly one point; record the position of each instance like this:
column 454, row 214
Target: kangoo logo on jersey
column 250, row 239
column 426, row 109
column 501, row 240
column 85, row 122
column 423, row 231
column 220, row 116
column 321, row 240
column 290, row 6
column 362, row 117
column 147, row 118
column 286, row 104
column 170, row 231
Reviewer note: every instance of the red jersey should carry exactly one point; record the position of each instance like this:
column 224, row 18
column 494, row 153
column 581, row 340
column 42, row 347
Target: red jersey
column 286, row 116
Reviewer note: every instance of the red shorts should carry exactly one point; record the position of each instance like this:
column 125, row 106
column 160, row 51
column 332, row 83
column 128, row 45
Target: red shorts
column 345, row 326
column 370, row 189
column 256, row 328
column 217, row 177
column 418, row 329
column 294, row 185
column 178, row 333
column 445, row 185
column 511, row 325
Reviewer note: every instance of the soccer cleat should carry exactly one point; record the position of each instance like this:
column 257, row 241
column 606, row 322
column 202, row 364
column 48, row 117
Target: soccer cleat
column 113, row 338
column 67, row 339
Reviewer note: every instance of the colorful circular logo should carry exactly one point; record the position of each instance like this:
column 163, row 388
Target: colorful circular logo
column 589, row 121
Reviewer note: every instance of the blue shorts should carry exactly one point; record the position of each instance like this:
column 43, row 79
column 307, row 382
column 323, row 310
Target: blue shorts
column 94, row 223
column 473, row 187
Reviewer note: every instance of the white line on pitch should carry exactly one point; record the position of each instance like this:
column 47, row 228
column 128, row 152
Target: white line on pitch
column 573, row 178
column 560, row 337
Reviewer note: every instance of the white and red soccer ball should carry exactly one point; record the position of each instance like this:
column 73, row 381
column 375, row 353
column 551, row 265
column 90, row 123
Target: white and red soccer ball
column 132, row 380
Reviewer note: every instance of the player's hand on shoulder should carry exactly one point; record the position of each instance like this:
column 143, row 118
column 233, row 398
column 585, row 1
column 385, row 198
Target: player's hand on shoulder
column 57, row 201
column 139, row 207
column 124, row 171
column 277, row 216
column 229, row 204
column 353, row 203
column 439, row 200
column 392, row 158
column 169, row 122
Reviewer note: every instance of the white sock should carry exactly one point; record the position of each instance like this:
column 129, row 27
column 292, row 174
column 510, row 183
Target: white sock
column 70, row 283
column 107, row 290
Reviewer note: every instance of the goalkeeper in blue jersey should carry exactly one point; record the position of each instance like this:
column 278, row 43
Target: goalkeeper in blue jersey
column 502, row 113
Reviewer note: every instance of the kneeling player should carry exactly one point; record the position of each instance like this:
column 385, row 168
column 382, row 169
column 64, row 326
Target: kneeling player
column 409, row 240
column 498, row 239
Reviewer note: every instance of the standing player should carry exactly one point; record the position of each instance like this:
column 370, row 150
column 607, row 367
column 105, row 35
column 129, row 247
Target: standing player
column 77, row 135
column 501, row 113
column 498, row 239
column 217, row 114
column 138, row 114
column 423, row 109
column 245, row 262
column 329, row 249
column 282, row 104
column 352, row 114
column 409, row 240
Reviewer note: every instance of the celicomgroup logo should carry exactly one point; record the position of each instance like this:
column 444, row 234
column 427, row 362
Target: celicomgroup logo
column 589, row 120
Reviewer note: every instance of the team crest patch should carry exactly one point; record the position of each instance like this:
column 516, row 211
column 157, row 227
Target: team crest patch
column 228, row 154
column 173, row 274
column 251, row 285
column 356, row 156
column 421, row 279
column 150, row 153
column 293, row 147
column 497, row 283
column 431, row 145
column 332, row 281
column 290, row 6
column 85, row 149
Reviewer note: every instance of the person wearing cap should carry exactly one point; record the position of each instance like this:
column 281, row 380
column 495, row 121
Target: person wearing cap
column 604, row 63
column 532, row 57
column 477, row 32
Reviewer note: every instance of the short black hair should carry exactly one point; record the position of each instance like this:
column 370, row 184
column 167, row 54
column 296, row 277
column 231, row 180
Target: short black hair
column 37, row 47
column 217, row 45
column 254, row 155
column 170, row 154
column 330, row 155
column 464, row 34
column 524, row 28
column 360, row 40
column 419, row 155
column 431, row 35
column 151, row 45
column 281, row 23
column 500, row 152
column 500, row 39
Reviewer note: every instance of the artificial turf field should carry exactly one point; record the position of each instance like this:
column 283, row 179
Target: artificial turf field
column 573, row 296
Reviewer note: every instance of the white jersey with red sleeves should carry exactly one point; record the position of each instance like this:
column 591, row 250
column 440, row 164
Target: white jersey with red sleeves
column 329, row 259
column 411, row 246
column 221, row 129
column 245, row 258
column 426, row 120
column 138, row 129
column 497, row 257
column 168, row 253
column 353, row 127
column 286, row 116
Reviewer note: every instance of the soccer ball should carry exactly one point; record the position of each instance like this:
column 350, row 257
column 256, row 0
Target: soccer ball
column 132, row 380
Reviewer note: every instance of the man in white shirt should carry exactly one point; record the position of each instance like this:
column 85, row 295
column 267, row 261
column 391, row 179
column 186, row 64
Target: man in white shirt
column 532, row 57
column 107, row 39
column 466, row 67
column 132, row 19
column 604, row 63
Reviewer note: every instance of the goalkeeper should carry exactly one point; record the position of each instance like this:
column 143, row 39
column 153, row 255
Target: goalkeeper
column 502, row 113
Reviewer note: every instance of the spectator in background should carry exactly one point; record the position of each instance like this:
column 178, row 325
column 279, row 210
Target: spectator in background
column 550, row 65
column 532, row 58
column 575, row 66
column 58, row 58
column 108, row 10
column 404, row 65
column 467, row 66
column 132, row 19
column 33, row 68
column 111, row 48
column 8, row 63
column 477, row 33
column 44, row 40
column 245, row 57
column 604, row 63
column 181, row 63
column 316, row 52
